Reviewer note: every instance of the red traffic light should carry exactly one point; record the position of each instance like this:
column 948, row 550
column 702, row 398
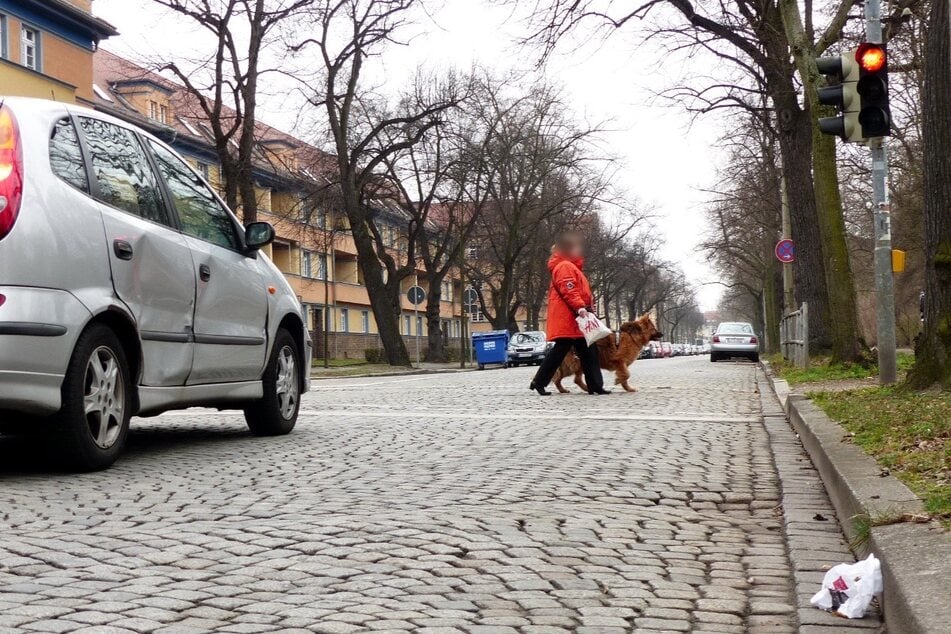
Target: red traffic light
column 871, row 57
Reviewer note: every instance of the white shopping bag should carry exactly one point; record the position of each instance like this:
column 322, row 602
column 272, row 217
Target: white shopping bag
column 592, row 328
column 848, row 588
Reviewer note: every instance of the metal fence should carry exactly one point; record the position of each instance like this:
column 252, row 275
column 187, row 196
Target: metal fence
column 794, row 336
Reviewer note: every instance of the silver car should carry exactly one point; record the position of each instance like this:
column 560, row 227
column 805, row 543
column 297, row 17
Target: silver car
column 128, row 288
column 734, row 339
column 527, row 347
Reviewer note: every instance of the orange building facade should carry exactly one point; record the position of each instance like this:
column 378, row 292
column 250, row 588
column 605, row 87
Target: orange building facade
column 47, row 48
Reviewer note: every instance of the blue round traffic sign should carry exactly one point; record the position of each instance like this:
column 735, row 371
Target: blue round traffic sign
column 416, row 295
column 786, row 251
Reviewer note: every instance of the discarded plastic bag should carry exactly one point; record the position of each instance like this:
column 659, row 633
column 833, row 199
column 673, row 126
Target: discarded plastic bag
column 848, row 588
column 592, row 328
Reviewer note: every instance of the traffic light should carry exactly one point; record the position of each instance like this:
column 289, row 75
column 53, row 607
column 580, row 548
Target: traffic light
column 874, row 113
column 843, row 76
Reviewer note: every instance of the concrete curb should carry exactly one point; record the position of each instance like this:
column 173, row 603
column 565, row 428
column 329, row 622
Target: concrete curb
column 916, row 558
column 370, row 375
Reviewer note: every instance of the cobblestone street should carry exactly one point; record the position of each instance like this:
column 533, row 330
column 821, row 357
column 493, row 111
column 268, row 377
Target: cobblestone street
column 442, row 503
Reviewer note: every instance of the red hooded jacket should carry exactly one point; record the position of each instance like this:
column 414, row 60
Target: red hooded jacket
column 569, row 292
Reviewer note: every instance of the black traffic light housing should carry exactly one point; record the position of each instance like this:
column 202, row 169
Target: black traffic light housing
column 872, row 87
column 842, row 72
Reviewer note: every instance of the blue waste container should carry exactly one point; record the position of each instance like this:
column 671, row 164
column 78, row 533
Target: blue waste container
column 491, row 347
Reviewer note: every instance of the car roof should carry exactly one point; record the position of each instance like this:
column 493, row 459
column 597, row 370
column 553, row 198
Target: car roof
column 31, row 105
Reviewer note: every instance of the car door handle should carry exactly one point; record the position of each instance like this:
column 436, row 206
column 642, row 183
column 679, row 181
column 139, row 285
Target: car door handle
column 204, row 272
column 122, row 249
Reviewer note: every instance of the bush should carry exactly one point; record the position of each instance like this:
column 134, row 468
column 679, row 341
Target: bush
column 375, row 355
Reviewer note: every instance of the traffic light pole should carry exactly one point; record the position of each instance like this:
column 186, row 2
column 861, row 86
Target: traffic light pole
column 884, row 280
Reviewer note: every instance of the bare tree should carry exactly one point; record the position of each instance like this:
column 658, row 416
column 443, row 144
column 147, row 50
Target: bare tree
column 759, row 40
column 342, row 36
column 224, row 83
column 539, row 180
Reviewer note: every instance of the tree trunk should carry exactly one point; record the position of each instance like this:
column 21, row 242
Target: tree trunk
column 436, row 346
column 840, row 312
column 843, row 327
column 771, row 307
column 384, row 302
column 933, row 352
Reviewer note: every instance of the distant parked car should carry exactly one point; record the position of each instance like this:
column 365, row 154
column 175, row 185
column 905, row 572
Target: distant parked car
column 734, row 339
column 527, row 347
column 666, row 350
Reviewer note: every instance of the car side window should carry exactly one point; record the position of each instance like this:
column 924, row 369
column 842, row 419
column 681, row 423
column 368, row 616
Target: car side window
column 66, row 157
column 200, row 213
column 122, row 170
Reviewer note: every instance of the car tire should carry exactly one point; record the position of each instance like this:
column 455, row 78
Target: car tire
column 276, row 413
column 93, row 424
column 754, row 357
column 714, row 357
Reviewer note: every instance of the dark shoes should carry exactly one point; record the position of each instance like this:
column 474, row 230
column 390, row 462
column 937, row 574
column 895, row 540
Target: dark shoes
column 540, row 389
column 599, row 391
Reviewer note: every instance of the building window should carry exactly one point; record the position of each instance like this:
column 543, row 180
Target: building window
column 204, row 169
column 158, row 112
column 306, row 264
column 365, row 316
column 408, row 324
column 344, row 320
column 446, row 291
column 30, row 48
column 419, row 325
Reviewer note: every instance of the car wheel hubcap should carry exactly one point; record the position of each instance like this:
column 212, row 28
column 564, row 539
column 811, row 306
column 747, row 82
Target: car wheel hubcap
column 287, row 391
column 104, row 400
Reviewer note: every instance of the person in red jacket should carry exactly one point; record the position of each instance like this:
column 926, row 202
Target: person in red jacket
column 569, row 297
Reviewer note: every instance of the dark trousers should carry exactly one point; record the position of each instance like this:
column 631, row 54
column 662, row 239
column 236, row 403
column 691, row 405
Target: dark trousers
column 589, row 363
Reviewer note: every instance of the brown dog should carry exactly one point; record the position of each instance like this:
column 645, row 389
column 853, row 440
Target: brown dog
column 614, row 354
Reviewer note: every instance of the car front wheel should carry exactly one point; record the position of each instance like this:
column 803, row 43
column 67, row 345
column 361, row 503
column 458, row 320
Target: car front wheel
column 93, row 423
column 276, row 413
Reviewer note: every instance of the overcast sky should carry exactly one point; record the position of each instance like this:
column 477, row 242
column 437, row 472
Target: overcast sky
column 667, row 156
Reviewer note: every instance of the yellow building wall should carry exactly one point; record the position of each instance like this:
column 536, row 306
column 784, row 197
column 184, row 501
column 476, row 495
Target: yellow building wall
column 16, row 81
column 67, row 68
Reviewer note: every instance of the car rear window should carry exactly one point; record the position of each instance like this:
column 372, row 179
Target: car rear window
column 66, row 157
column 735, row 329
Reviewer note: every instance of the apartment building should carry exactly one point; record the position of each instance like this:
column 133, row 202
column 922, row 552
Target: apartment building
column 47, row 48
column 314, row 249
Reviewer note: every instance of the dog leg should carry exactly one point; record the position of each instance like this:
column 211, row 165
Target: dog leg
column 558, row 377
column 621, row 377
column 579, row 381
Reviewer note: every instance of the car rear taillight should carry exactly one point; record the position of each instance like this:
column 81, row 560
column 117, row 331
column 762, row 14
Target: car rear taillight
column 754, row 340
column 716, row 338
column 3, row 300
column 11, row 171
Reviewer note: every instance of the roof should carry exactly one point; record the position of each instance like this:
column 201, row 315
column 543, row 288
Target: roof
column 96, row 27
column 188, row 125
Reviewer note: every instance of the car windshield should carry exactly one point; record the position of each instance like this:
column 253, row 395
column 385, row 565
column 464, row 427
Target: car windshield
column 527, row 337
column 735, row 329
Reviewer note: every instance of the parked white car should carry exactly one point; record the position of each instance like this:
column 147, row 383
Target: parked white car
column 734, row 339
column 128, row 288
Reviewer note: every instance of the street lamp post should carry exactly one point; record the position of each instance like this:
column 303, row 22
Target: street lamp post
column 884, row 280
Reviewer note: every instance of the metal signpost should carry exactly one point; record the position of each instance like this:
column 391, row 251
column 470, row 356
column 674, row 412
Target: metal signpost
column 884, row 281
column 416, row 295
column 788, row 282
